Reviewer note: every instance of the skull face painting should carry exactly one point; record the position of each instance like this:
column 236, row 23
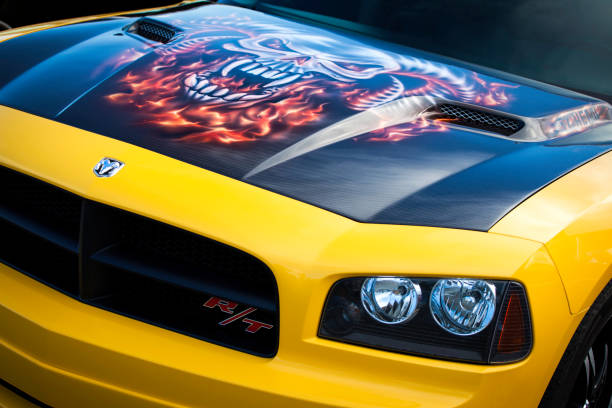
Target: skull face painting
column 264, row 66
column 237, row 79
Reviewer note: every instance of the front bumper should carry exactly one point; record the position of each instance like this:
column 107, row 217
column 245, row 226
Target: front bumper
column 65, row 353
column 69, row 354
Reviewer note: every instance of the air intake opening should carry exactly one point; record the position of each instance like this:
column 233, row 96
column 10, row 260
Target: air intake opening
column 474, row 118
column 164, row 275
column 138, row 267
column 41, row 225
column 153, row 30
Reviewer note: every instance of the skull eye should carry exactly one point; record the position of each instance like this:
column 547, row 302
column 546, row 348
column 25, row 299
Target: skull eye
column 358, row 67
column 276, row 44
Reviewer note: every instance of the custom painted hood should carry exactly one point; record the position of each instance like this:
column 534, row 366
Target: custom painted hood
column 341, row 121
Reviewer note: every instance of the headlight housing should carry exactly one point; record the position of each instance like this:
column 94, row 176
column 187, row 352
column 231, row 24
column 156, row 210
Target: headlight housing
column 483, row 321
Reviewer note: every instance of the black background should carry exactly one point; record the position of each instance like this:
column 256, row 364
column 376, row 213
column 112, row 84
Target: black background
column 18, row 13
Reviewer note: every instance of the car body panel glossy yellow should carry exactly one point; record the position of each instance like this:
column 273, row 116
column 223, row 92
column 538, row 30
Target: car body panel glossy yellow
column 65, row 352
column 573, row 217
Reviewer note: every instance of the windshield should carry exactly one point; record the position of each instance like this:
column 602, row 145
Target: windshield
column 562, row 42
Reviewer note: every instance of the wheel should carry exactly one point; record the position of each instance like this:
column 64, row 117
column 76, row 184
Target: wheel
column 583, row 378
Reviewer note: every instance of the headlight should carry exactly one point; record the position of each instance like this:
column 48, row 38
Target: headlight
column 463, row 306
column 485, row 321
column 390, row 300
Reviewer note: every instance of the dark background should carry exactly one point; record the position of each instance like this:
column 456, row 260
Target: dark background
column 562, row 42
column 18, row 13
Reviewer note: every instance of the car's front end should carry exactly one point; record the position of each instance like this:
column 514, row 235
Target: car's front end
column 167, row 244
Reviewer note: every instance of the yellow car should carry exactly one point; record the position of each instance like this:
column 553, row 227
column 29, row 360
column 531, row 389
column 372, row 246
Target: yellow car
column 307, row 204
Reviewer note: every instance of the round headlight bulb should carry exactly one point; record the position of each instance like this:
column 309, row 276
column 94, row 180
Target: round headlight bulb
column 463, row 306
column 390, row 300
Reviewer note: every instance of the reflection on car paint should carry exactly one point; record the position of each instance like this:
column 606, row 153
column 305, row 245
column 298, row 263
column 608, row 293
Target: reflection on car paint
column 241, row 79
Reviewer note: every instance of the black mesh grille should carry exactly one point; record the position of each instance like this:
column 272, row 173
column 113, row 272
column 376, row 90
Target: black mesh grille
column 40, row 226
column 136, row 266
column 154, row 31
column 460, row 115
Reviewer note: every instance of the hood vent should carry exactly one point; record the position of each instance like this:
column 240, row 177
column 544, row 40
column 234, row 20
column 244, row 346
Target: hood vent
column 153, row 30
column 474, row 118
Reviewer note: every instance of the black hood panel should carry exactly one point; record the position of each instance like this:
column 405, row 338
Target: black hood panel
column 304, row 112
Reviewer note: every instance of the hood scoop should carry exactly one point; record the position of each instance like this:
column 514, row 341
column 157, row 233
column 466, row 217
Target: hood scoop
column 412, row 108
column 475, row 118
column 153, row 30
column 521, row 128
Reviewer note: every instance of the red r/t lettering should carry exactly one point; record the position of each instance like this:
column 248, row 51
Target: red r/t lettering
column 225, row 305
column 254, row 325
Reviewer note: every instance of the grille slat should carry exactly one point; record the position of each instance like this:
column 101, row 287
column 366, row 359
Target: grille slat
column 39, row 229
column 180, row 275
column 461, row 115
column 39, row 258
column 135, row 266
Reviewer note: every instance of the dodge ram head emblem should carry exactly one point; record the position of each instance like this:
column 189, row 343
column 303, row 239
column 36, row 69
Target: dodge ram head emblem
column 107, row 167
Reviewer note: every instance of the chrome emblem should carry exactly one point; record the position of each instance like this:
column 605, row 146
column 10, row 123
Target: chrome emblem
column 107, row 167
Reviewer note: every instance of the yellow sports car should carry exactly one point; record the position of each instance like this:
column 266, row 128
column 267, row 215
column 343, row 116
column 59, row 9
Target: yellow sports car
column 292, row 203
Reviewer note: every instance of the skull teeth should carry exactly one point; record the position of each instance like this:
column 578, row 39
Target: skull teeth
column 234, row 96
column 228, row 68
column 208, row 89
column 269, row 74
column 266, row 69
column 221, row 92
column 191, row 81
column 258, row 71
column 275, row 66
column 198, row 86
column 202, row 84
column 278, row 76
column 250, row 67
column 208, row 94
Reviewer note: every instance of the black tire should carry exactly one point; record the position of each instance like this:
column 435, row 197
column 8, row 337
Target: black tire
column 567, row 386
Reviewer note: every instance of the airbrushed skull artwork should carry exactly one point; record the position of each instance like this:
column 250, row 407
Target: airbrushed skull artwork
column 276, row 64
column 236, row 79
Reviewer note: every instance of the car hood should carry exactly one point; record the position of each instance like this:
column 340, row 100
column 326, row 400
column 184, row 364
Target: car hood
column 341, row 121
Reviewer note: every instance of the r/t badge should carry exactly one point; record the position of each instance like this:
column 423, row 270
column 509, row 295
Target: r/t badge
column 228, row 307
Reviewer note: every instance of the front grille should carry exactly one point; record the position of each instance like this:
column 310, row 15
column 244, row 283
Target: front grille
column 461, row 115
column 153, row 30
column 135, row 266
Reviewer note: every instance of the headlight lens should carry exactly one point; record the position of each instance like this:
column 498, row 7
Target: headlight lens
column 390, row 300
column 463, row 306
column 484, row 321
